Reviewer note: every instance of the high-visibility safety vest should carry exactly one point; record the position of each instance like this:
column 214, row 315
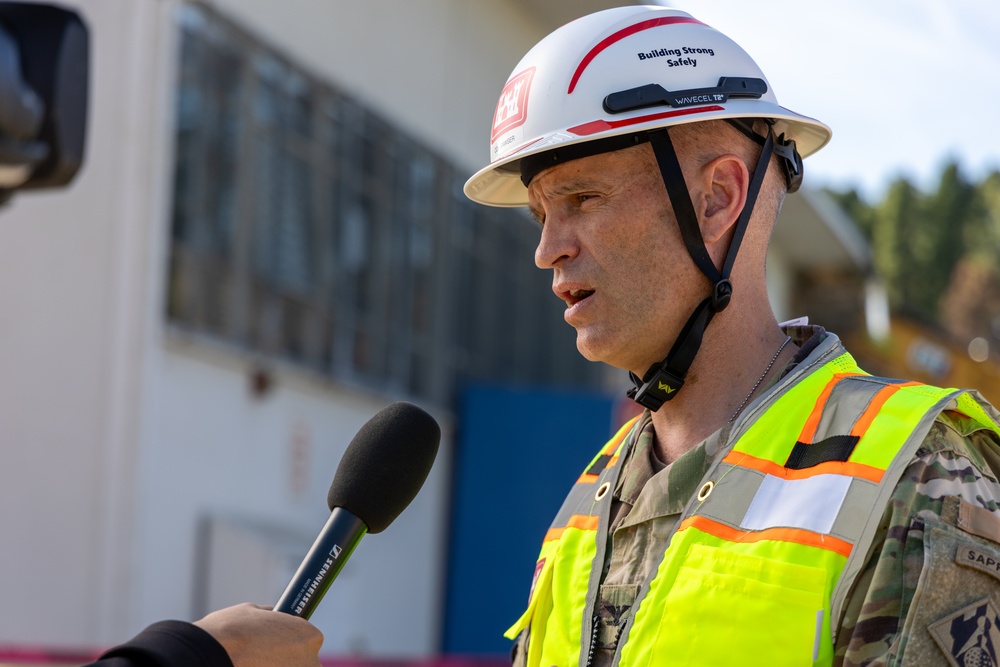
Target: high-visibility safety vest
column 764, row 556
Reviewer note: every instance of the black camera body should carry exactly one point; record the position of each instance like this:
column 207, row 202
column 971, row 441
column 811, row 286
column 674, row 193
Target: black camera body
column 44, row 79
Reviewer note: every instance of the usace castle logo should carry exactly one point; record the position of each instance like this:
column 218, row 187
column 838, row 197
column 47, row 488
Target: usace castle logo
column 512, row 109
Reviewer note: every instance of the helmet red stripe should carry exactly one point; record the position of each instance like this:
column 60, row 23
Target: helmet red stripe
column 596, row 126
column 620, row 35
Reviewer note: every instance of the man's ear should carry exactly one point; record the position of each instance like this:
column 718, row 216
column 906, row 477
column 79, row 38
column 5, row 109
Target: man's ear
column 724, row 182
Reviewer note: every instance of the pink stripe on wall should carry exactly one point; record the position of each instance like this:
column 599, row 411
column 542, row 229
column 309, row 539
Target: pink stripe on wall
column 20, row 655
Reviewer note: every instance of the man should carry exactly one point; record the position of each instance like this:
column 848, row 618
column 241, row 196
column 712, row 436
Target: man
column 245, row 635
column 773, row 505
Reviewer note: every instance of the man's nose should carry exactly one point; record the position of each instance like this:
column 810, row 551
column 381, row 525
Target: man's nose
column 557, row 243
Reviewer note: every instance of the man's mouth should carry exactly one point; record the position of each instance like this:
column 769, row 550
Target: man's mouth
column 575, row 296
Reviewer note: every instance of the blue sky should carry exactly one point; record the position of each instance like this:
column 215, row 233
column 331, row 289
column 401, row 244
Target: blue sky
column 905, row 84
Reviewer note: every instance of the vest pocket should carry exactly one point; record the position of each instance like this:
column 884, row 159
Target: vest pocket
column 553, row 618
column 727, row 608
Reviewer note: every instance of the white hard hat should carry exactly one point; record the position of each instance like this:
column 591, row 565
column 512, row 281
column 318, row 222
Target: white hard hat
column 619, row 72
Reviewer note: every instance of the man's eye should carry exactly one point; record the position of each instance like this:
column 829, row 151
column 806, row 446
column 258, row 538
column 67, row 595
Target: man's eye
column 537, row 216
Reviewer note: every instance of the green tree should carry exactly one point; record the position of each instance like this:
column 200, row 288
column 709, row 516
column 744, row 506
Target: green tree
column 936, row 239
column 857, row 208
column 982, row 237
column 892, row 250
column 918, row 239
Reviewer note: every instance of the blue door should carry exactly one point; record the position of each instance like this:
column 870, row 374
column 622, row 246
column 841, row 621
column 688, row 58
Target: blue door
column 518, row 451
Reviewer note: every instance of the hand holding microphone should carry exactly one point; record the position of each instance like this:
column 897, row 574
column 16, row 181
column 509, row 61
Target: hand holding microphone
column 381, row 472
column 254, row 636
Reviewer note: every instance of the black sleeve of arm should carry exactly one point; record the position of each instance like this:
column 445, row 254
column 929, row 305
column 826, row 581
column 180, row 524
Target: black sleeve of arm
column 167, row 644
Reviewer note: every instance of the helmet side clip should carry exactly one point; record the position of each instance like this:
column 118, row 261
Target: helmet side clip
column 654, row 94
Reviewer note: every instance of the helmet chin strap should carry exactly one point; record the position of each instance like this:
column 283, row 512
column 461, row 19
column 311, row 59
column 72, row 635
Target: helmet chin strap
column 663, row 380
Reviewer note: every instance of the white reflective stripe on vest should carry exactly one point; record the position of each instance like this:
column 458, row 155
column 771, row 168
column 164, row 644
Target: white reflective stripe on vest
column 811, row 503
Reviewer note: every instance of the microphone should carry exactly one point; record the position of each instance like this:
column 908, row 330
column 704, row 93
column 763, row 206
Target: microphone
column 381, row 472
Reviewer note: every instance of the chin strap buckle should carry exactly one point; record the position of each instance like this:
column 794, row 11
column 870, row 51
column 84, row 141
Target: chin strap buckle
column 721, row 295
column 658, row 387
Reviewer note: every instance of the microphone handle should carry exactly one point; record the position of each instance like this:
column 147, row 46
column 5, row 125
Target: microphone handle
column 322, row 564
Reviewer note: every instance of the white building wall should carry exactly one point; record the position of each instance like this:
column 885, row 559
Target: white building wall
column 215, row 451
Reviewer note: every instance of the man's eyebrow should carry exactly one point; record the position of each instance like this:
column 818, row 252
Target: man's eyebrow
column 568, row 187
column 564, row 188
column 575, row 185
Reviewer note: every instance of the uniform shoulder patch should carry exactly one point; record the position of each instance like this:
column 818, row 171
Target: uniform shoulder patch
column 978, row 521
column 970, row 556
column 971, row 636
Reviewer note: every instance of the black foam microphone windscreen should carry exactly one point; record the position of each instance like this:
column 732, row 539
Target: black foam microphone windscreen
column 380, row 473
column 385, row 465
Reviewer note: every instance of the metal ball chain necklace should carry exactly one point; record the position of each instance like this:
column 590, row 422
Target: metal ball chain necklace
column 760, row 379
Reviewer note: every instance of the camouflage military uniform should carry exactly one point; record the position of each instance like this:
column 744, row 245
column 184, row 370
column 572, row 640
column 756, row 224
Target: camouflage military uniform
column 894, row 615
column 898, row 604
